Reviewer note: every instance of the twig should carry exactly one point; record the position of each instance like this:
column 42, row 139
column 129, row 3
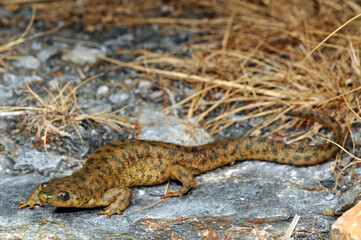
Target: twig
column 18, row 41
column 14, row 113
column 41, row 229
column 30, row 23
column 56, row 130
column 171, row 99
column 291, row 228
column 161, row 200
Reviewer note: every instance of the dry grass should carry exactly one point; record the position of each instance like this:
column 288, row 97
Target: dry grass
column 256, row 60
column 59, row 111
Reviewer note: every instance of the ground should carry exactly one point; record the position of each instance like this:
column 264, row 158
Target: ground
column 247, row 200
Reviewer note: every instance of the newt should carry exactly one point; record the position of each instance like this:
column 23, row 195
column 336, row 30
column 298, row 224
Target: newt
column 106, row 178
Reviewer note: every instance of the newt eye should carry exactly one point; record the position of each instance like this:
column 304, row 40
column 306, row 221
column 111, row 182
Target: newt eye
column 64, row 196
column 44, row 185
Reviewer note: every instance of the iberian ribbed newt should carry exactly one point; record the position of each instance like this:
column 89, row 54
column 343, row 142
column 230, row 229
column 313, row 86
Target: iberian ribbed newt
column 106, row 178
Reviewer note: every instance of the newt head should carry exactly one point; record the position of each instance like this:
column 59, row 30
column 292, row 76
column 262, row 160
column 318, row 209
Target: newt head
column 58, row 193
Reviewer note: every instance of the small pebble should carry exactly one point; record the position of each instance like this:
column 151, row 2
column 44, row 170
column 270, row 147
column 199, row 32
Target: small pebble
column 144, row 84
column 329, row 197
column 67, row 78
column 114, row 42
column 128, row 81
column 128, row 37
column 80, row 55
column 36, row 46
column 344, row 188
column 189, row 91
column 102, row 91
column 5, row 95
column 33, row 79
column 28, row 62
column 53, row 84
column 156, row 94
column 13, row 81
column 119, row 97
column 218, row 95
column 46, row 53
column 358, row 170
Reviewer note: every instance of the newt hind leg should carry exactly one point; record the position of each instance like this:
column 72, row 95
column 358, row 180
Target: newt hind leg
column 184, row 176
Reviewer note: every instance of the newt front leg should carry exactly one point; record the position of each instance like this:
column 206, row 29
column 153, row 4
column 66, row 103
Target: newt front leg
column 116, row 200
column 33, row 199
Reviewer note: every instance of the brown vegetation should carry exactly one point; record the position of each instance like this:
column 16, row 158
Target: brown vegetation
column 257, row 58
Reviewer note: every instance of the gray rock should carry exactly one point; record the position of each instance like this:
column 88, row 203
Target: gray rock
column 78, row 149
column 144, row 85
column 28, row 62
column 13, row 81
column 102, row 91
column 119, row 97
column 128, row 81
column 114, row 42
column 5, row 95
column 31, row 160
column 5, row 13
column 93, row 106
column 329, row 197
column 54, row 83
column 127, row 38
column 37, row 46
column 46, row 53
column 33, row 79
column 160, row 127
column 323, row 225
column 271, row 195
column 156, row 94
column 167, row 42
column 9, row 164
column 80, row 55
column 348, row 199
column 10, row 81
column 2, row 164
column 74, row 144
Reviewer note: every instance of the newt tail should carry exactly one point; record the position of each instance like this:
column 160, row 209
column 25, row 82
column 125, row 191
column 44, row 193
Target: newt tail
column 107, row 176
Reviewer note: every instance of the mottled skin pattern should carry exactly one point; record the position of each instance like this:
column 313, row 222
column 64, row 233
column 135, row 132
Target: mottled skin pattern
column 109, row 173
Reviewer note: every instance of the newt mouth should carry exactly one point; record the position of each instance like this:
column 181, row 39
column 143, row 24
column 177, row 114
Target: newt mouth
column 51, row 200
column 46, row 198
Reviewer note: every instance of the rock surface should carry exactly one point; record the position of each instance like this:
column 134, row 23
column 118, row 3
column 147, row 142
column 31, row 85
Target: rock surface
column 157, row 126
column 31, row 160
column 240, row 195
